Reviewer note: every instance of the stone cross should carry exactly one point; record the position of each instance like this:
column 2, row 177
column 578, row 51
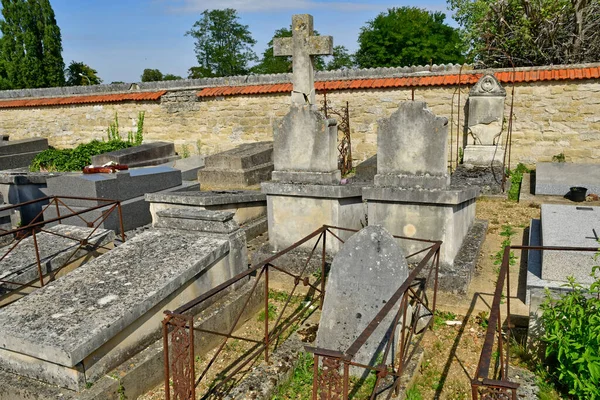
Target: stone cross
column 303, row 46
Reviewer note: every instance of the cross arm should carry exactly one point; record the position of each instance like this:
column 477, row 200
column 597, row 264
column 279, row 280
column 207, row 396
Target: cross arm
column 282, row 46
column 321, row 45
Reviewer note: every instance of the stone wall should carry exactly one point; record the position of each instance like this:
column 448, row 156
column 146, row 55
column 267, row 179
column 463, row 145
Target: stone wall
column 549, row 118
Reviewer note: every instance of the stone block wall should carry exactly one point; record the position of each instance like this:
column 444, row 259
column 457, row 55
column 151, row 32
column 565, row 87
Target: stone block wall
column 550, row 117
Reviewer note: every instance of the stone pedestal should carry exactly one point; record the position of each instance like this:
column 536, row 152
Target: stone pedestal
column 483, row 156
column 294, row 211
column 425, row 214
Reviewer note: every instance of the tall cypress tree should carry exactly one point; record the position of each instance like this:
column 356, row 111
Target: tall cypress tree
column 31, row 45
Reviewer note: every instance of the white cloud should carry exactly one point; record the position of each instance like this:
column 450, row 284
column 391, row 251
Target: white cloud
column 269, row 5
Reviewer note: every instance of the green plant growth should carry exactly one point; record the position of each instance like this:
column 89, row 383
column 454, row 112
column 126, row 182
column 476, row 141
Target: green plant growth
column 440, row 318
column 507, row 232
column 560, row 157
column 64, row 160
column 413, row 393
column 516, row 177
column 300, row 384
column 185, row 151
column 571, row 326
column 272, row 310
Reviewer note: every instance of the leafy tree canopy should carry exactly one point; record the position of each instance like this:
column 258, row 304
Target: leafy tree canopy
column 30, row 46
column 171, row 77
column 271, row 64
column 341, row 59
column 540, row 32
column 408, row 36
column 80, row 74
column 223, row 45
column 151, row 75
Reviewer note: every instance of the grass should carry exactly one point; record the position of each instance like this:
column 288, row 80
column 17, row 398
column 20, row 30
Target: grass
column 272, row 310
column 300, row 384
column 441, row 317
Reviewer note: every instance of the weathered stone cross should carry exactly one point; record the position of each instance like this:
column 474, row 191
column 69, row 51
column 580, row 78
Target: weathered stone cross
column 302, row 46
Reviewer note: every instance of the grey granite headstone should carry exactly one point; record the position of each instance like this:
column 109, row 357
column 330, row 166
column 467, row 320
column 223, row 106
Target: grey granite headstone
column 146, row 154
column 558, row 178
column 412, row 148
column 569, row 226
column 20, row 153
column 486, row 110
column 367, row 271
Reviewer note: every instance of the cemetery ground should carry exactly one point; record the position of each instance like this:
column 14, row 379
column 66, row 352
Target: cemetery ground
column 451, row 347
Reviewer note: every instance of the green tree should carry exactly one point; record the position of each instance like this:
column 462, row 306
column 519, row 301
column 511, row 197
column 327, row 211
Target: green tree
column 171, row 77
column 540, row 32
column 80, row 74
column 408, row 36
column 152, row 75
column 30, row 46
column 341, row 59
column 271, row 64
column 223, row 45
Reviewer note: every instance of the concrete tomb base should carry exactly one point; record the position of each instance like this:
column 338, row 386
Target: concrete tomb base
column 78, row 328
column 244, row 166
column 295, row 211
column 445, row 215
column 483, row 156
column 249, row 207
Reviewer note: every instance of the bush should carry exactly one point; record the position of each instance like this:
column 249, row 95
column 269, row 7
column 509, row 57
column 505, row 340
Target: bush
column 64, row 160
column 572, row 339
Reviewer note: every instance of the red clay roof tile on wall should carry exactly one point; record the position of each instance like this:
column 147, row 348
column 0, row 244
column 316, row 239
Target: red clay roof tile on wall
column 102, row 98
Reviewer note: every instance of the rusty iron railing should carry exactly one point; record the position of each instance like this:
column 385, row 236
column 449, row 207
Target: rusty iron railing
column 179, row 329
column 38, row 224
column 345, row 143
column 494, row 383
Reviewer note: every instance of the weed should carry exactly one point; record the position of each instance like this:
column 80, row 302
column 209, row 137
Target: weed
column 560, row 158
column 300, row 384
column 441, row 317
column 507, row 232
column 482, row 319
column 272, row 310
column 235, row 344
column 516, row 176
column 88, row 385
column 413, row 393
column 121, row 391
column 185, row 151
column 282, row 297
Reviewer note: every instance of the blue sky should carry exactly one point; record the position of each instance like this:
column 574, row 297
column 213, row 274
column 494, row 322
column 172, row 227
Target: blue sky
column 120, row 38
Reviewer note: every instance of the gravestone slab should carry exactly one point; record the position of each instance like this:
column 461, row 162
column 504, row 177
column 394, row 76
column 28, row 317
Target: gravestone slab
column 558, row 178
column 146, row 154
column 120, row 186
column 366, row 272
column 20, row 265
column 412, row 148
column 569, row 226
column 20, row 153
column 82, row 325
column 366, row 170
column 246, row 165
column 188, row 166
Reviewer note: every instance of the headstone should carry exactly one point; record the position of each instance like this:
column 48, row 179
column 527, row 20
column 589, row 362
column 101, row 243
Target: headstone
column 244, row 166
column 20, row 153
column 366, row 170
column 485, row 123
column 412, row 148
column 367, row 271
column 305, row 155
column 557, row 178
column 569, row 226
column 146, row 154
column 411, row 196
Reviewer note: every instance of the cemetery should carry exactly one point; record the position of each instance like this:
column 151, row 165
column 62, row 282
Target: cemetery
column 255, row 269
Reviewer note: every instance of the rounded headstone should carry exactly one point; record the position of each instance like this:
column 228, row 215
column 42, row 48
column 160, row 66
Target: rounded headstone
column 366, row 272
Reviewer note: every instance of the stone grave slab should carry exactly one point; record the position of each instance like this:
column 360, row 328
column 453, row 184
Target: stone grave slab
column 569, row 226
column 558, row 178
column 366, row 170
column 20, row 265
column 146, row 154
column 365, row 273
column 79, row 327
column 21, row 187
column 189, row 167
column 20, row 153
column 246, row 165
